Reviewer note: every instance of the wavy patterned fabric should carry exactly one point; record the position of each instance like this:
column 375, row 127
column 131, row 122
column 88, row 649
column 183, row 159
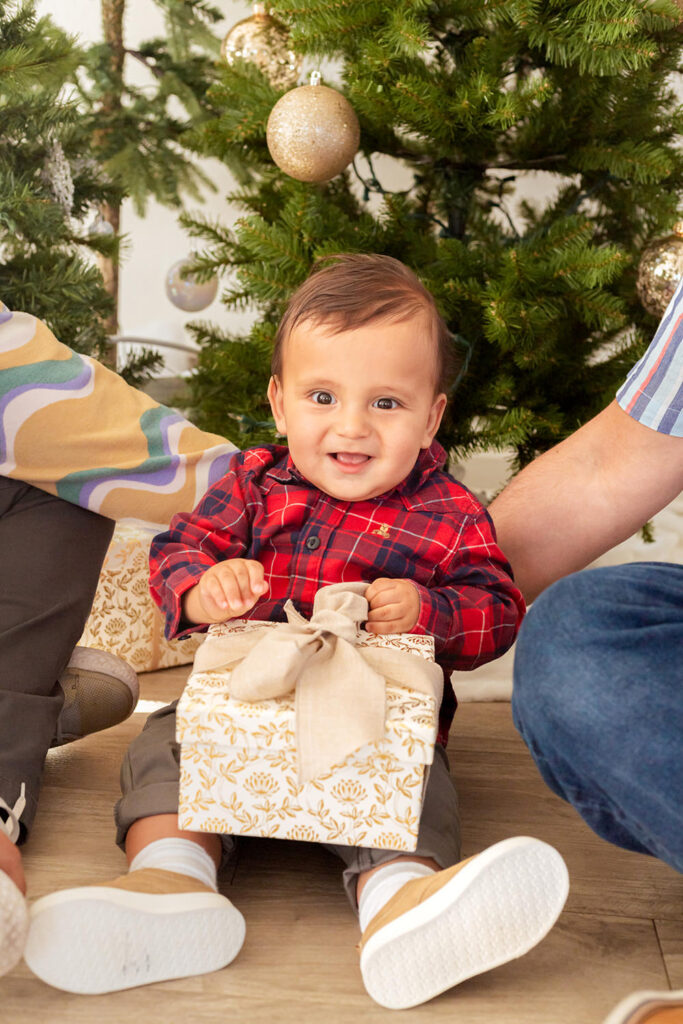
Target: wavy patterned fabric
column 74, row 428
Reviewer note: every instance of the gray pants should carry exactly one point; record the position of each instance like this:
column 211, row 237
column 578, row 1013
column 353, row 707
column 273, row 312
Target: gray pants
column 51, row 553
column 150, row 782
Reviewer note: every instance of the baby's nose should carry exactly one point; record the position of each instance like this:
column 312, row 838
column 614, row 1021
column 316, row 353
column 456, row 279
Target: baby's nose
column 352, row 421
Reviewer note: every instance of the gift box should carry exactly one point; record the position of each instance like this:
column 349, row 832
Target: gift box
column 124, row 619
column 239, row 770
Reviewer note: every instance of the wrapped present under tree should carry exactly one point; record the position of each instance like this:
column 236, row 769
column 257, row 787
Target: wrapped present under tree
column 124, row 619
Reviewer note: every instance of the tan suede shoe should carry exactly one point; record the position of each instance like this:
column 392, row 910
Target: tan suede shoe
column 649, row 1008
column 438, row 931
column 146, row 926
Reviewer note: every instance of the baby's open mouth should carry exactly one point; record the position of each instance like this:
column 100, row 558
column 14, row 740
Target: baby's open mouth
column 350, row 458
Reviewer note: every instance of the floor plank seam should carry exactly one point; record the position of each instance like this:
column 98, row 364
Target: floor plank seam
column 661, row 953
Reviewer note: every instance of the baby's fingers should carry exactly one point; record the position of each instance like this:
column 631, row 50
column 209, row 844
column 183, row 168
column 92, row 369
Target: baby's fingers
column 381, row 592
column 236, row 584
column 385, row 619
column 213, row 596
column 257, row 583
column 395, row 608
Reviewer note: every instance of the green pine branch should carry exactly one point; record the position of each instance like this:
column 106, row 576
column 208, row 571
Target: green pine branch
column 473, row 98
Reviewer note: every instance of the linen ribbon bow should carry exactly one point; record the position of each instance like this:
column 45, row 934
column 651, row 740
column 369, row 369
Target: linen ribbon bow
column 340, row 702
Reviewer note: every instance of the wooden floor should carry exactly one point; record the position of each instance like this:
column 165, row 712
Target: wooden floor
column 622, row 928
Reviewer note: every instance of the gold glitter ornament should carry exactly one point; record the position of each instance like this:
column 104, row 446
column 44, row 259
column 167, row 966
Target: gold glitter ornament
column 263, row 41
column 660, row 271
column 313, row 132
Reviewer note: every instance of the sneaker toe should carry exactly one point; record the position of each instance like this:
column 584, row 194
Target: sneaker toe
column 100, row 689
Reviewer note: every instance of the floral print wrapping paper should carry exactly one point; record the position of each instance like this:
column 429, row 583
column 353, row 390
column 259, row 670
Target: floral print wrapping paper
column 239, row 772
column 124, row 619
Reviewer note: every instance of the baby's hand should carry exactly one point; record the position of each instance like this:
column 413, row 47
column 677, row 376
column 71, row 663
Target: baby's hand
column 225, row 591
column 394, row 606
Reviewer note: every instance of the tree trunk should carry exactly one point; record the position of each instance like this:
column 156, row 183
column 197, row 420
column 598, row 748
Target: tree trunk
column 112, row 25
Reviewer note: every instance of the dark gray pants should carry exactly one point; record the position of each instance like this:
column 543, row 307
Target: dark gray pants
column 51, row 553
column 150, row 782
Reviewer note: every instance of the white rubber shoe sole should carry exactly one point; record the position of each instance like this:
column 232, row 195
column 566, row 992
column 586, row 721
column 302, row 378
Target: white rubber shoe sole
column 496, row 908
column 95, row 939
column 13, row 924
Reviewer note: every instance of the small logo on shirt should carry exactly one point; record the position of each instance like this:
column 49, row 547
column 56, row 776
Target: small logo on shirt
column 382, row 531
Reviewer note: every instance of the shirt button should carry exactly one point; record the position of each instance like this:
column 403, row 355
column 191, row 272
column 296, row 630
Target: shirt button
column 312, row 543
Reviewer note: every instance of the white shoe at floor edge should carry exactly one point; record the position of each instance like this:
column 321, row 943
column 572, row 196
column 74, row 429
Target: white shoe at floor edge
column 648, row 1007
column 13, row 924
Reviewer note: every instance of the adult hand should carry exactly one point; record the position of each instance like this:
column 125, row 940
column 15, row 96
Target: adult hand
column 394, row 606
column 225, row 591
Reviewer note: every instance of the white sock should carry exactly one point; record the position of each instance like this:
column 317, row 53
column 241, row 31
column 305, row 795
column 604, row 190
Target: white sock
column 179, row 855
column 384, row 884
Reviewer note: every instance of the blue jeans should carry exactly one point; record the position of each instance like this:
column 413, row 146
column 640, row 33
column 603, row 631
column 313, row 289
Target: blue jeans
column 598, row 699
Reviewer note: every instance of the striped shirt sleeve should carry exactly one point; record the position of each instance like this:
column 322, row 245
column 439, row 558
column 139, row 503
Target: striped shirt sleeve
column 653, row 391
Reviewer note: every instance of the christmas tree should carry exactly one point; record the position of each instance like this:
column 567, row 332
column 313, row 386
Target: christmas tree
column 473, row 100
column 47, row 187
column 78, row 138
column 136, row 131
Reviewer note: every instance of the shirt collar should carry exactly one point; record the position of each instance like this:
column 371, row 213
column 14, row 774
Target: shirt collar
column 283, row 469
column 428, row 461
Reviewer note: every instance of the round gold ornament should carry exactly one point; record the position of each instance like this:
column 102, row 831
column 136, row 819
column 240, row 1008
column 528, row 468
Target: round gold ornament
column 263, row 41
column 660, row 271
column 313, row 132
column 186, row 292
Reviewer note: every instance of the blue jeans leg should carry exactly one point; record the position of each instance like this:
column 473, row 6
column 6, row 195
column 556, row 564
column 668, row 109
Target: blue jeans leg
column 598, row 699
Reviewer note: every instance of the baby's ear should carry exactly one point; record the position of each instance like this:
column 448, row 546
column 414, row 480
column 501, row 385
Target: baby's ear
column 277, row 404
column 434, row 420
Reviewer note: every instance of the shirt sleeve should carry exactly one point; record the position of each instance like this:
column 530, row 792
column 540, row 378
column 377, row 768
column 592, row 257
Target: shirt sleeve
column 121, row 455
column 217, row 529
column 474, row 609
column 653, row 391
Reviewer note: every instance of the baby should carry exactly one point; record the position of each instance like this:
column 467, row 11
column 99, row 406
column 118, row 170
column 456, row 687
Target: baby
column 359, row 380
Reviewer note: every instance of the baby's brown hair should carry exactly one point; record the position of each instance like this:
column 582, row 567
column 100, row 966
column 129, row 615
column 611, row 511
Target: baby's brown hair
column 348, row 290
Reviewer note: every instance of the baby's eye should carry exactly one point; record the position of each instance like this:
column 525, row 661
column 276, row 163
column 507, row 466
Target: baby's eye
column 322, row 398
column 385, row 403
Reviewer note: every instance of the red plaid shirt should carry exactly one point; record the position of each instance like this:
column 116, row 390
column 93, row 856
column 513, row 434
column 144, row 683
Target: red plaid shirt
column 429, row 529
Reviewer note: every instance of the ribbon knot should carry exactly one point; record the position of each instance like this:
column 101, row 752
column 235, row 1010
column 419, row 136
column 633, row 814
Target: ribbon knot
column 340, row 700
column 283, row 655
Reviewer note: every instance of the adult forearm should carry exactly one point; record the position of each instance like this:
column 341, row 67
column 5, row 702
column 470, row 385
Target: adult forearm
column 544, row 526
column 584, row 496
